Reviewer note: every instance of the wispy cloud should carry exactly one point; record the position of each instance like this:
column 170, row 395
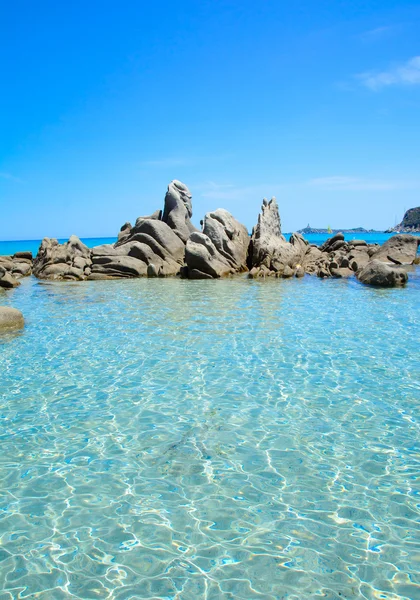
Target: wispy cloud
column 407, row 73
column 343, row 183
column 378, row 33
column 10, row 177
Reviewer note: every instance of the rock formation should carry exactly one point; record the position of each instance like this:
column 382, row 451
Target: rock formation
column 269, row 252
column 399, row 249
column 10, row 319
column 70, row 261
column 338, row 258
column 220, row 250
column 154, row 246
column 167, row 243
column 410, row 222
column 379, row 274
column 13, row 268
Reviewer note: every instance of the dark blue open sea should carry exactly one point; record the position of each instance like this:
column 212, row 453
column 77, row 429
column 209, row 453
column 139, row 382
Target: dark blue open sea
column 235, row 439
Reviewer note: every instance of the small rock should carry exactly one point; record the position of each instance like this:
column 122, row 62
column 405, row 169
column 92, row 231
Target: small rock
column 10, row 318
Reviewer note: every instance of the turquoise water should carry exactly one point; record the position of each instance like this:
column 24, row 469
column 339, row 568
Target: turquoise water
column 231, row 439
column 9, row 248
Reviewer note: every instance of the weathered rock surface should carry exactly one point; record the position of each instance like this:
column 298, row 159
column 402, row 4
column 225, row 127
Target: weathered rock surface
column 10, row 319
column 379, row 274
column 220, row 250
column 7, row 280
column 269, row 252
column 70, row 261
column 154, row 246
column 178, row 210
column 399, row 249
column 14, row 267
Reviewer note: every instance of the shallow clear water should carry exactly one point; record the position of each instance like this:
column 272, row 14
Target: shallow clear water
column 232, row 439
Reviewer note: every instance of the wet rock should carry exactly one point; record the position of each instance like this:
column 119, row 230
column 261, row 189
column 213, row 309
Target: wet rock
column 341, row 272
column 379, row 274
column 10, row 319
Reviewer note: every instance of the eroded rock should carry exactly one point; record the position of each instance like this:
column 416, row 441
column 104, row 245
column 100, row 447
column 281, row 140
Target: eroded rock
column 379, row 274
column 269, row 251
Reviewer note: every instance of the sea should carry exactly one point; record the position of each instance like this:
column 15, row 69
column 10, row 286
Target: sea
column 10, row 247
column 230, row 439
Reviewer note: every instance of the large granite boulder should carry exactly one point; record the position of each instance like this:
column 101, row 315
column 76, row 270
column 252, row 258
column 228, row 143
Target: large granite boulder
column 379, row 274
column 269, row 252
column 399, row 249
column 220, row 250
column 10, row 319
column 154, row 246
column 70, row 261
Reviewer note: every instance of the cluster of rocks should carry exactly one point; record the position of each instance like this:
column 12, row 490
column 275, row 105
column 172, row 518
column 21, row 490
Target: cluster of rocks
column 154, row 246
column 167, row 243
column 384, row 266
column 13, row 268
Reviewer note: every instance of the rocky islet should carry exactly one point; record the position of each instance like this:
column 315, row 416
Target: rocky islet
column 166, row 243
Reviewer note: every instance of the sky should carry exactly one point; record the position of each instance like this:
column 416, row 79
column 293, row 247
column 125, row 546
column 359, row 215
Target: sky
column 102, row 104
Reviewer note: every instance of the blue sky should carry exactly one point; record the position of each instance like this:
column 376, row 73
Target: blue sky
column 102, row 104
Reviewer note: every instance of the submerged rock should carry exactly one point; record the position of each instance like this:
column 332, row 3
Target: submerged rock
column 10, row 318
column 379, row 274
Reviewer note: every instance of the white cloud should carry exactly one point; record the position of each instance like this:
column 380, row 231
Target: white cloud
column 405, row 74
column 342, row 183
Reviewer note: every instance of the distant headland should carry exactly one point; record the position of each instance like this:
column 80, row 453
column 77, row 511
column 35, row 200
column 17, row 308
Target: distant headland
column 409, row 224
column 310, row 230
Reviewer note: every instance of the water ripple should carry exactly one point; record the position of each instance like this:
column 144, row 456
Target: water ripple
column 164, row 439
